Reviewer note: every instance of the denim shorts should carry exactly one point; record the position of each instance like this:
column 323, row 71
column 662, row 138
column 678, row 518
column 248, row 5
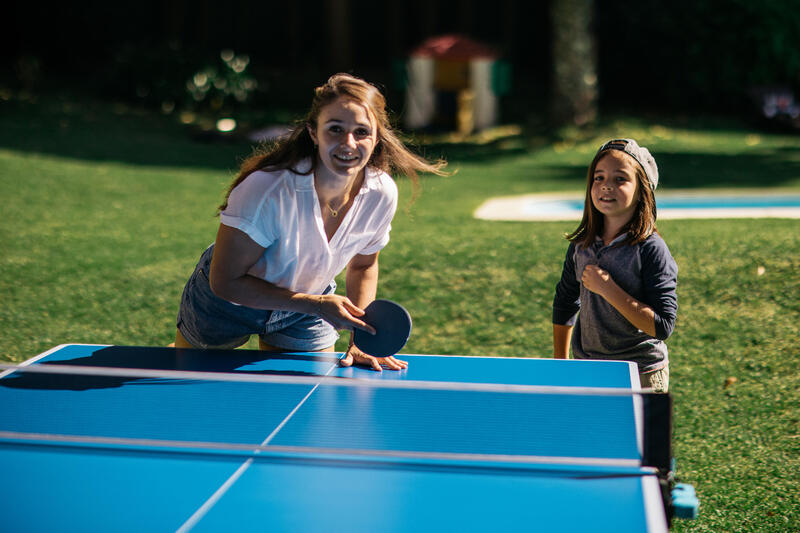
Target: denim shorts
column 208, row 321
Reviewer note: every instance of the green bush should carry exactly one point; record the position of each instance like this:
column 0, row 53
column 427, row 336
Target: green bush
column 703, row 54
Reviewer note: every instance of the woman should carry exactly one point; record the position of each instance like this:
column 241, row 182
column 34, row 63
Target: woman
column 318, row 202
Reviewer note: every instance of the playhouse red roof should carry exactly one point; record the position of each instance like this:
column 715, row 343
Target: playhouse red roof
column 454, row 47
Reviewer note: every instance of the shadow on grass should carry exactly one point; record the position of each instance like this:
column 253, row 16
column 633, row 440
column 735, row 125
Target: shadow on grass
column 114, row 133
column 107, row 132
column 472, row 151
column 683, row 170
column 761, row 169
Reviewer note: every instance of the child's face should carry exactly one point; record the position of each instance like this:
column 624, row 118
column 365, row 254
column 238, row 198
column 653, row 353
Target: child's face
column 615, row 189
column 346, row 135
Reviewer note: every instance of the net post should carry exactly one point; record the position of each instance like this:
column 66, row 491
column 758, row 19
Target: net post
column 657, row 444
column 657, row 431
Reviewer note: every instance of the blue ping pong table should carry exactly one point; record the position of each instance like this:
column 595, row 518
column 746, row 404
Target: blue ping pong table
column 243, row 440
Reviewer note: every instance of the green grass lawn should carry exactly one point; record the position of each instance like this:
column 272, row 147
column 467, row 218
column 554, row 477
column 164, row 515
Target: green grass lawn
column 106, row 210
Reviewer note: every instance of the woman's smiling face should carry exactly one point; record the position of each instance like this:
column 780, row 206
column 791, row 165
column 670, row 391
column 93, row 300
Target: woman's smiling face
column 345, row 135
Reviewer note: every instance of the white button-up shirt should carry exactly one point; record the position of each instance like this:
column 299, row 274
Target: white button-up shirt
column 280, row 211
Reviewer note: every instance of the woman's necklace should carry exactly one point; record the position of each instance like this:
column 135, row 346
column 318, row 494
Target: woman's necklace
column 348, row 196
column 335, row 212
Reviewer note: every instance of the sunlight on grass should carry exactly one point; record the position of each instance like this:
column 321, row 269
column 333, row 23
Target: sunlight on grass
column 102, row 228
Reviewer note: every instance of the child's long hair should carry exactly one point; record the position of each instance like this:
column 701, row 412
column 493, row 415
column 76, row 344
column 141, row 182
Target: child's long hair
column 641, row 225
column 389, row 155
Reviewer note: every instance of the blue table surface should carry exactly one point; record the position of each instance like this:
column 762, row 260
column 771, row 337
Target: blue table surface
column 113, row 488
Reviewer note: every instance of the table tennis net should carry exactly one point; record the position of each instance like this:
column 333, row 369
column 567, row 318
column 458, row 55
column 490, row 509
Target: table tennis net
column 321, row 416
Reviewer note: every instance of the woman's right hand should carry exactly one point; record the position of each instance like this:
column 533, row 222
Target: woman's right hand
column 341, row 312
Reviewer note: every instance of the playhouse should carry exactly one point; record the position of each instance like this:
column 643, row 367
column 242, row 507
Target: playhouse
column 453, row 83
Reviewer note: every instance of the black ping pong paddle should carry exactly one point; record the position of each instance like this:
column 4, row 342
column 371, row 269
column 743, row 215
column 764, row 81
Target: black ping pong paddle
column 392, row 324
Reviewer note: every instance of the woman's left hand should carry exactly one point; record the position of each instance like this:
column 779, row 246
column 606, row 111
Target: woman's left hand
column 358, row 357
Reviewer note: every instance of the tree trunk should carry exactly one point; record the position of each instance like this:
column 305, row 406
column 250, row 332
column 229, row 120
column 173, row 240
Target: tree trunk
column 340, row 50
column 574, row 84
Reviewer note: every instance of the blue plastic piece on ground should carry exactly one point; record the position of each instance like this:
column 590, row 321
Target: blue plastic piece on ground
column 684, row 501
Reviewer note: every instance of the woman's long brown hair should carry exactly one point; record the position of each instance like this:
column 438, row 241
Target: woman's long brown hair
column 390, row 154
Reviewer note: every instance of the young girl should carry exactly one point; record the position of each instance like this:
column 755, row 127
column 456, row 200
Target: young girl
column 316, row 203
column 618, row 270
